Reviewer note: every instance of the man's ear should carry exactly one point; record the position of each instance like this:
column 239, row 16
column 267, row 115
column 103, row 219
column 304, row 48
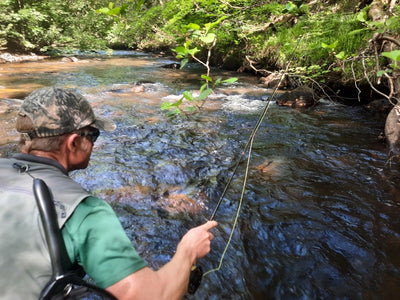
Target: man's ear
column 72, row 142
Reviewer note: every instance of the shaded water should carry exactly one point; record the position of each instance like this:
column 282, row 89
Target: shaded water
column 320, row 216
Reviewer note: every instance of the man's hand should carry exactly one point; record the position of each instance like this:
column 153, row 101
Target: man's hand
column 196, row 242
column 171, row 281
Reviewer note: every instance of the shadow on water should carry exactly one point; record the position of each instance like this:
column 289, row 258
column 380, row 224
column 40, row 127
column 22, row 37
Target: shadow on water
column 321, row 213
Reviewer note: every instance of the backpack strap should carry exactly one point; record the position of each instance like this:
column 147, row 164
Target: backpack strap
column 62, row 280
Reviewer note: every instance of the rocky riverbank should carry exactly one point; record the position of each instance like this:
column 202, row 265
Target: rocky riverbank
column 6, row 57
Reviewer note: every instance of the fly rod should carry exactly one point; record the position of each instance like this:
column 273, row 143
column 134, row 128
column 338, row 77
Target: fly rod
column 196, row 272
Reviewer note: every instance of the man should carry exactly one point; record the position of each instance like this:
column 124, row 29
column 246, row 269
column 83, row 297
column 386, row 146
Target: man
column 58, row 129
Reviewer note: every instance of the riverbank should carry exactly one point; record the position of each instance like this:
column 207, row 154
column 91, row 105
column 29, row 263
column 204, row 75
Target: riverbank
column 345, row 94
column 7, row 57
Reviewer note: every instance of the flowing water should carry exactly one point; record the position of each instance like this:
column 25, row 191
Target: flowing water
column 320, row 216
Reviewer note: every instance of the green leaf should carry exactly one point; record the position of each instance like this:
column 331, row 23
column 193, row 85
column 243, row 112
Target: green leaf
column 204, row 94
column 209, row 38
column 188, row 95
column 196, row 34
column 290, row 7
column 393, row 55
column 354, row 32
column 184, row 62
column 207, row 78
column 394, row 67
column 377, row 24
column 179, row 102
column 341, row 55
column 329, row 46
column 362, row 16
column 139, row 4
column 193, row 26
column 380, row 73
column 103, row 10
column 304, row 8
column 190, row 108
column 208, row 26
column 393, row 22
column 180, row 50
column 174, row 113
column 115, row 11
column 166, row 105
column 203, row 87
column 193, row 51
column 111, row 10
column 230, row 80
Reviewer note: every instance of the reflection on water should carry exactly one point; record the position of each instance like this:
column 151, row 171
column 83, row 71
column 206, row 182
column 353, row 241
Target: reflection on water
column 321, row 214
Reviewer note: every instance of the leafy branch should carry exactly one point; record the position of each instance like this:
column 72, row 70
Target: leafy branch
column 204, row 37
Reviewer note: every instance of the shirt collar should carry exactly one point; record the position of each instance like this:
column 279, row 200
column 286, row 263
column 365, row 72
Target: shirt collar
column 41, row 160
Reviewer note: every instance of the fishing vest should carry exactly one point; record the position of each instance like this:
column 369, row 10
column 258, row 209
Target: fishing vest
column 25, row 265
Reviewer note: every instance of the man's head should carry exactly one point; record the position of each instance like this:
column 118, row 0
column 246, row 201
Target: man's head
column 60, row 124
column 55, row 111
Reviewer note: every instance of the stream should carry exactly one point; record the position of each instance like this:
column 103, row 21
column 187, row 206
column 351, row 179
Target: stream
column 320, row 215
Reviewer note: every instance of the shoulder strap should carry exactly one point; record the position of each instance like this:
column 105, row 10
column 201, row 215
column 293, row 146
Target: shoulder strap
column 61, row 279
column 55, row 243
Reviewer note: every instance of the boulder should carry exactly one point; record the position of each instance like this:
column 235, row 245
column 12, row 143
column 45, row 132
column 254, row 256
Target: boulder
column 273, row 80
column 172, row 66
column 302, row 96
column 69, row 59
column 392, row 130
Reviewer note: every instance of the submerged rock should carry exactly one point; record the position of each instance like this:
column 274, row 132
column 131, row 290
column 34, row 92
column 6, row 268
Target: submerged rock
column 177, row 201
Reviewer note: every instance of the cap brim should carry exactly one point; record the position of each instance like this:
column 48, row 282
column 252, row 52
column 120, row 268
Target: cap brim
column 104, row 124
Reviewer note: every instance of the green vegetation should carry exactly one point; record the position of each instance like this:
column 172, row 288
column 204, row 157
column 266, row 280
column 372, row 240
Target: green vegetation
column 347, row 43
column 206, row 37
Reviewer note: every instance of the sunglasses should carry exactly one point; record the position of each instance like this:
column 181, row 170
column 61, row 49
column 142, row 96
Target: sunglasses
column 91, row 135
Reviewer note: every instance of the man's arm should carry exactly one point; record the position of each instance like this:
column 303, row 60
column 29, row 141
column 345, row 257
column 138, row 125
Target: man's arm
column 171, row 281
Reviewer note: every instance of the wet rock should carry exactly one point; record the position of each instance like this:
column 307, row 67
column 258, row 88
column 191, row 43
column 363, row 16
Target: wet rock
column 69, row 59
column 392, row 130
column 172, row 66
column 379, row 107
column 7, row 105
column 270, row 170
column 6, row 57
column 127, row 88
column 274, row 81
column 137, row 89
column 176, row 201
column 302, row 96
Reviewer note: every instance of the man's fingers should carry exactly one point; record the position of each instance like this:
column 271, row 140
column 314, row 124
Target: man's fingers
column 210, row 224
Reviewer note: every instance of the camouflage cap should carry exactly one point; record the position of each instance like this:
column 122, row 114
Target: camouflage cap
column 55, row 111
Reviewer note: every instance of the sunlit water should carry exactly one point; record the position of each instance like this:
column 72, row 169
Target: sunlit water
column 320, row 217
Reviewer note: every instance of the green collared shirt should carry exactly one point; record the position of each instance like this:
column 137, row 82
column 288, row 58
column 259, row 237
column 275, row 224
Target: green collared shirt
column 94, row 238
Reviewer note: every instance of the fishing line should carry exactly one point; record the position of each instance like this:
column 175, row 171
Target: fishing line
column 248, row 147
column 237, row 212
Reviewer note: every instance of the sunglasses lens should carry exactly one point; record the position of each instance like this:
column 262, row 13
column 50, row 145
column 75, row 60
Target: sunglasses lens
column 92, row 135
